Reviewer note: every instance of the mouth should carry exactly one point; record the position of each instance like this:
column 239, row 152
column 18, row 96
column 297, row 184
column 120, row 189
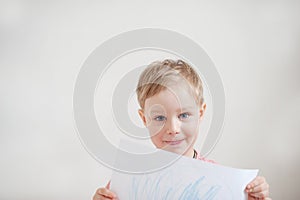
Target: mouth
column 174, row 142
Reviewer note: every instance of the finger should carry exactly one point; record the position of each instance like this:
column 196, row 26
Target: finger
column 106, row 193
column 260, row 195
column 257, row 181
column 101, row 197
column 260, row 188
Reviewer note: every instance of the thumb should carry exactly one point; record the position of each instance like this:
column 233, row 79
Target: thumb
column 108, row 185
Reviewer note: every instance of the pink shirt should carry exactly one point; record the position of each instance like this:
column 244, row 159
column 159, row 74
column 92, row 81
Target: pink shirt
column 199, row 157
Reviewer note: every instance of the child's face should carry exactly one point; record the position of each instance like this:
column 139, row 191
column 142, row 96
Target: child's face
column 172, row 118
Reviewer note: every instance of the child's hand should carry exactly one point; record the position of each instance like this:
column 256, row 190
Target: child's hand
column 105, row 193
column 258, row 189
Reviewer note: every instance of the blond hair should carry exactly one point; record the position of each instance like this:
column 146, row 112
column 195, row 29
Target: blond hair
column 159, row 75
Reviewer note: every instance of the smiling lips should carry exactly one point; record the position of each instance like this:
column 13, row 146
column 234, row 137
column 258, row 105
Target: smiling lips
column 174, row 142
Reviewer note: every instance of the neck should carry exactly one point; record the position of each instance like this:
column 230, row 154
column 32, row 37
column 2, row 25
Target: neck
column 190, row 153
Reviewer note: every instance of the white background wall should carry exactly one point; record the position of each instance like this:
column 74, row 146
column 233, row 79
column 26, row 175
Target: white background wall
column 254, row 44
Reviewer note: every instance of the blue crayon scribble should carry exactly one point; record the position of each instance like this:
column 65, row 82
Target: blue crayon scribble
column 151, row 188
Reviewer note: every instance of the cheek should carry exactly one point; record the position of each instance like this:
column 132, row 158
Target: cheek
column 155, row 130
column 157, row 141
column 156, row 133
column 191, row 128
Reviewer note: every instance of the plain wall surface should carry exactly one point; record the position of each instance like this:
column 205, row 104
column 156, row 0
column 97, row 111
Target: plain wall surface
column 255, row 46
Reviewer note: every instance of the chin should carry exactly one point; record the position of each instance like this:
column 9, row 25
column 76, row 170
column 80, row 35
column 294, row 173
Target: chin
column 176, row 150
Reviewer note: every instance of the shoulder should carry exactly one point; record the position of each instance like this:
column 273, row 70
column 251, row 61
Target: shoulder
column 206, row 160
column 199, row 157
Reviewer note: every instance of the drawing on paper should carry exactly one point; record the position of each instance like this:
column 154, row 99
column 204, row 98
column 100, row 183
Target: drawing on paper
column 164, row 187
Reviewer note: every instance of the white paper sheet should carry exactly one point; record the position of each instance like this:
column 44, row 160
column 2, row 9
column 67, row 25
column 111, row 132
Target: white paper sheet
column 186, row 179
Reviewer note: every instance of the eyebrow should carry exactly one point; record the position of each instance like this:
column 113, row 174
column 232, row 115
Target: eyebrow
column 178, row 110
column 156, row 111
column 185, row 108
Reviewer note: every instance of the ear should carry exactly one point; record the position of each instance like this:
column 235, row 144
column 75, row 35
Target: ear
column 142, row 115
column 202, row 110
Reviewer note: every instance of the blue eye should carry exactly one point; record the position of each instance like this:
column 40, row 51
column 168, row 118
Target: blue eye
column 160, row 118
column 184, row 116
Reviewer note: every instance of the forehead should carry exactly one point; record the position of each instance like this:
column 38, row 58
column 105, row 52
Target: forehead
column 171, row 99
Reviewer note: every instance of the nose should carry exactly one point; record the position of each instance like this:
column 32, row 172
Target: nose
column 173, row 126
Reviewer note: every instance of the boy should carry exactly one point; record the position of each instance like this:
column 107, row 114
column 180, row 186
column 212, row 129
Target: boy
column 170, row 95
